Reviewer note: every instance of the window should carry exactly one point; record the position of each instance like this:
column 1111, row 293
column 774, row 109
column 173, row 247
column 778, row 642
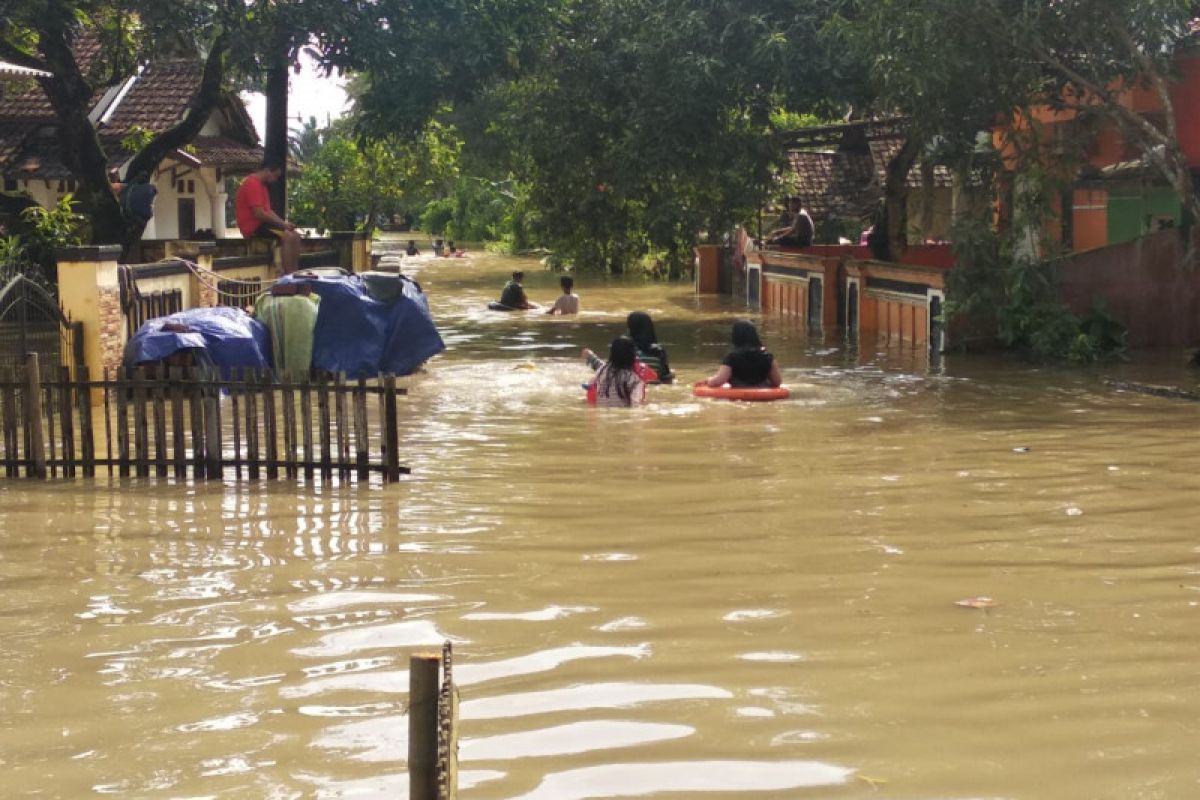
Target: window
column 10, row 184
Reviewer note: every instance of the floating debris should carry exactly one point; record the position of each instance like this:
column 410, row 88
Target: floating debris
column 1022, row 449
column 976, row 602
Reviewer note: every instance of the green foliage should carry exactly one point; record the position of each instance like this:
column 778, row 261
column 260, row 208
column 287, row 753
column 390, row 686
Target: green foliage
column 1002, row 293
column 350, row 182
column 137, row 138
column 482, row 210
column 645, row 126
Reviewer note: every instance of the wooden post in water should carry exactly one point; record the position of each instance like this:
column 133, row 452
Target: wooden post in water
column 423, row 669
column 362, row 445
column 87, row 435
column 66, row 413
column 391, row 434
column 36, row 457
column 11, row 439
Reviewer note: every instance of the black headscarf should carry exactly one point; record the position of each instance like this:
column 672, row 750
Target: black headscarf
column 745, row 336
column 641, row 330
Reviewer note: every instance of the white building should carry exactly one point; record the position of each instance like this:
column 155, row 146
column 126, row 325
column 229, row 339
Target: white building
column 191, row 181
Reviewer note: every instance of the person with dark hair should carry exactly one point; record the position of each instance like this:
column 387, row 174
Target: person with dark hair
column 649, row 351
column 799, row 233
column 513, row 296
column 567, row 303
column 748, row 364
column 256, row 219
column 616, row 383
column 412, row 249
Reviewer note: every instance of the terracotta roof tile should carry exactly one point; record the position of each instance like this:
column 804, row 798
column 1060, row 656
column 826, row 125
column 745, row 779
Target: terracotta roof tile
column 225, row 153
column 158, row 98
column 849, row 181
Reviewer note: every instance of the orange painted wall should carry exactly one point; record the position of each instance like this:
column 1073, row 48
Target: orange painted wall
column 1091, row 218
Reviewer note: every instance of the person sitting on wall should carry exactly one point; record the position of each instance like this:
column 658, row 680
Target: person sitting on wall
column 256, row 219
column 799, row 234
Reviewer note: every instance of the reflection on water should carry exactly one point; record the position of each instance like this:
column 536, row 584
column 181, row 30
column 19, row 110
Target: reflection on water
column 693, row 597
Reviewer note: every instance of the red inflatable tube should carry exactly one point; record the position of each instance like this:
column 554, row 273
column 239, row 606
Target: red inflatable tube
column 752, row 395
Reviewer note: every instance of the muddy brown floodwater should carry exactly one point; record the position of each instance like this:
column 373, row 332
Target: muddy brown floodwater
column 696, row 598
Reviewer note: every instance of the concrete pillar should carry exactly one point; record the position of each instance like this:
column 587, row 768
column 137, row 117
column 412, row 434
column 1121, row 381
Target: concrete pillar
column 90, row 293
column 354, row 250
column 202, row 291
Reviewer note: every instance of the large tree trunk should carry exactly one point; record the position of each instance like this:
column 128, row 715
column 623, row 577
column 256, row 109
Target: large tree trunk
column 275, row 142
column 896, row 197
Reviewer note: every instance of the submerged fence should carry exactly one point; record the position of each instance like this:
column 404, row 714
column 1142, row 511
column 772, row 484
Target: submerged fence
column 182, row 421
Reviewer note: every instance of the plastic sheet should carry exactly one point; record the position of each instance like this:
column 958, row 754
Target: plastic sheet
column 364, row 337
column 229, row 337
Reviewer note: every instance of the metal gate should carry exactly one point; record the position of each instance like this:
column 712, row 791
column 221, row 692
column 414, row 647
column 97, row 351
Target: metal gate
column 31, row 321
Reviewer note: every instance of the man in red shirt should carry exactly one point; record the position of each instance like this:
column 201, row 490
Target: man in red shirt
column 255, row 219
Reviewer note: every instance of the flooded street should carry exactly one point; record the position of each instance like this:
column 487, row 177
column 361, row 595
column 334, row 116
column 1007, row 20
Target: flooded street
column 692, row 598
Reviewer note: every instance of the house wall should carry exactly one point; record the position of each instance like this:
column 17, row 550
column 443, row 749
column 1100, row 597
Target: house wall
column 1133, row 210
column 1090, row 220
column 1144, row 284
column 207, row 193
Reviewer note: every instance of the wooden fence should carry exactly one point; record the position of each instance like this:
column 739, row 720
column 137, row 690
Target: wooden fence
column 141, row 307
column 248, row 424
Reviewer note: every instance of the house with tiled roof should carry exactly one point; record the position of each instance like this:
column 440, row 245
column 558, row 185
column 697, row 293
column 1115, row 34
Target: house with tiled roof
column 192, row 181
column 838, row 173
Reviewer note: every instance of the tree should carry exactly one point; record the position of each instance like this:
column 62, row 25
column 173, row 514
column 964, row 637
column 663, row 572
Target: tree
column 1080, row 56
column 643, row 125
column 351, row 181
column 43, row 35
column 246, row 40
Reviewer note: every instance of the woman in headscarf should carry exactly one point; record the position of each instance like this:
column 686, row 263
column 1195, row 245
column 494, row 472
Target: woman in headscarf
column 649, row 351
column 616, row 383
column 748, row 364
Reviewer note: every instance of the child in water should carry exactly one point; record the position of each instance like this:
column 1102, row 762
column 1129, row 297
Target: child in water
column 616, row 383
column 748, row 364
column 649, row 351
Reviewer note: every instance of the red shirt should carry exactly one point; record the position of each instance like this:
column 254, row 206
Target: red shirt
column 253, row 192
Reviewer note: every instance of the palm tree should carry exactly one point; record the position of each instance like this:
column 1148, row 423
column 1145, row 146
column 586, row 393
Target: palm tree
column 304, row 142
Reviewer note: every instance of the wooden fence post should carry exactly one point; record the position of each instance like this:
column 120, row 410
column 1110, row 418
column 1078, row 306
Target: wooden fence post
column 423, row 669
column 390, row 432
column 36, row 457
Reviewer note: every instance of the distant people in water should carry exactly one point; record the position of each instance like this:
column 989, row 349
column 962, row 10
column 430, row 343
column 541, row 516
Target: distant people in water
column 748, row 364
column 649, row 351
column 799, row 233
column 616, row 383
column 412, row 249
column 513, row 295
column 438, row 247
column 567, row 302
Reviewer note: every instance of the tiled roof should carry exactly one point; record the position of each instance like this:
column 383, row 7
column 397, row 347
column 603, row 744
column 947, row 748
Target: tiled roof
column 158, row 98
column 835, row 184
column 225, row 153
column 155, row 100
column 849, row 181
column 884, row 150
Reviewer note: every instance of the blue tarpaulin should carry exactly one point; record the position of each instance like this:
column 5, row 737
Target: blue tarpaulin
column 364, row 337
column 229, row 336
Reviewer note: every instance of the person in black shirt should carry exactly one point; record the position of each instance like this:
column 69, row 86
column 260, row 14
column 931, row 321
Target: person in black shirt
column 649, row 351
column 748, row 364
